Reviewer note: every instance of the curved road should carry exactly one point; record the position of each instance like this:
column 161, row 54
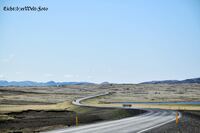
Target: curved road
column 137, row 124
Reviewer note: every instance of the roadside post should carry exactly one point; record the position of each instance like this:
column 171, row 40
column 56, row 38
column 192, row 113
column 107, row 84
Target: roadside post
column 177, row 119
column 76, row 120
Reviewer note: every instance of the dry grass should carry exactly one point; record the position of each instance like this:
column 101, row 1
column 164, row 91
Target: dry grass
column 17, row 99
column 143, row 106
column 59, row 98
column 19, row 108
column 5, row 117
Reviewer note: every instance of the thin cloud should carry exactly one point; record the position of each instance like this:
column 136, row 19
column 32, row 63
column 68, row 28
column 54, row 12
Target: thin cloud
column 68, row 76
column 48, row 75
column 9, row 59
column 2, row 76
column 18, row 73
column 89, row 77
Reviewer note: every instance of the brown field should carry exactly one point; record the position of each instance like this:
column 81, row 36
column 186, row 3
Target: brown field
column 25, row 104
column 151, row 93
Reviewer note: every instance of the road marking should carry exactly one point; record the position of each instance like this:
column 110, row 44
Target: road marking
column 159, row 124
column 126, row 122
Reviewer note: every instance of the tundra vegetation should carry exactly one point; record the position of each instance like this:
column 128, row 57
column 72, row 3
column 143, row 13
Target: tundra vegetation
column 32, row 109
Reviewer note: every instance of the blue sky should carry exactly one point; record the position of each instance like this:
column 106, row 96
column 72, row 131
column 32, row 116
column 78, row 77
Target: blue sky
column 121, row 41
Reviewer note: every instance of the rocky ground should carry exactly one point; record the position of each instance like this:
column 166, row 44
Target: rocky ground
column 34, row 121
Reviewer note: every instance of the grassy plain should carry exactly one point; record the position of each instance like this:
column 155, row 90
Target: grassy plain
column 150, row 93
column 52, row 105
column 34, row 109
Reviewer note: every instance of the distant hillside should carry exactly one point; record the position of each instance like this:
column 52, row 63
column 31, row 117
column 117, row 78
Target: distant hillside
column 193, row 80
column 31, row 83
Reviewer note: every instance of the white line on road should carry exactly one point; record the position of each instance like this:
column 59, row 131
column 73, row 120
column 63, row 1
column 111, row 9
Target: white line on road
column 137, row 124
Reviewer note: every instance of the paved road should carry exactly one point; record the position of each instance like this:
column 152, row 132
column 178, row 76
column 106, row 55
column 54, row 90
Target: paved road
column 137, row 124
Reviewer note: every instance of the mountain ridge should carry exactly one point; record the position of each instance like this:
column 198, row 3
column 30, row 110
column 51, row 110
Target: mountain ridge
column 5, row 83
column 188, row 81
column 32, row 83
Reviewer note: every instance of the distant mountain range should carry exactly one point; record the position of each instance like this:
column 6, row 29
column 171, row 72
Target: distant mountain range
column 31, row 83
column 186, row 81
column 53, row 83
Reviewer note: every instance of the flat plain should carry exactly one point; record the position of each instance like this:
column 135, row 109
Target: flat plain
column 34, row 109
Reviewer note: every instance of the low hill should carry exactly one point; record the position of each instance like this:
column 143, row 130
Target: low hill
column 31, row 83
column 186, row 81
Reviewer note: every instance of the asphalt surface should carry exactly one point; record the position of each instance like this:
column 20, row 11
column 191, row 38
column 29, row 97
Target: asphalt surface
column 136, row 124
